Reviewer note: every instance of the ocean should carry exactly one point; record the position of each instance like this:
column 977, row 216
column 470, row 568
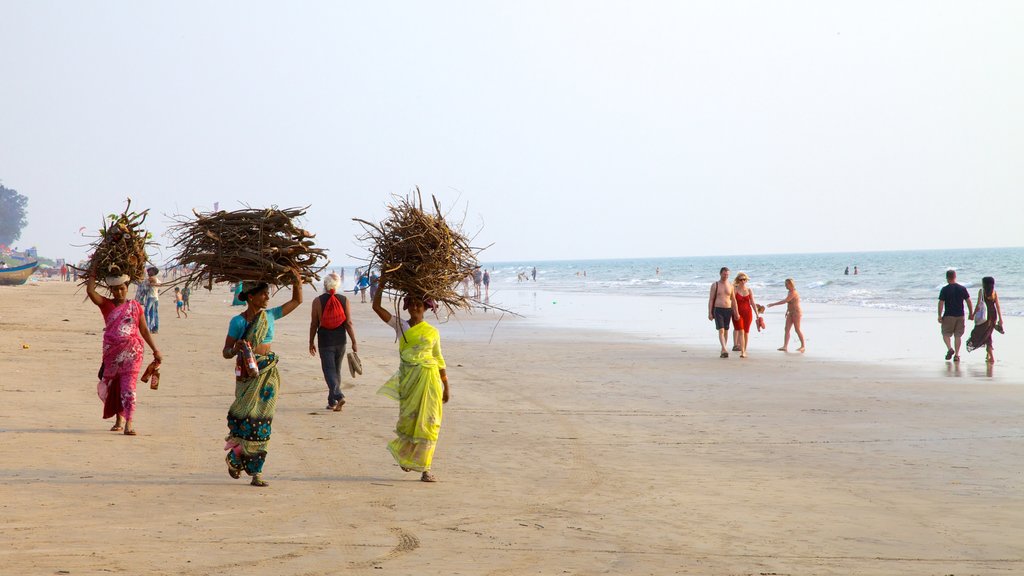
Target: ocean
column 899, row 280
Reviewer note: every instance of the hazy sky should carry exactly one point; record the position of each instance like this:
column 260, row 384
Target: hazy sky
column 566, row 129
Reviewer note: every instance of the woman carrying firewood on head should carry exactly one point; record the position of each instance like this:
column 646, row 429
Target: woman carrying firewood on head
column 123, row 351
column 249, row 339
column 420, row 386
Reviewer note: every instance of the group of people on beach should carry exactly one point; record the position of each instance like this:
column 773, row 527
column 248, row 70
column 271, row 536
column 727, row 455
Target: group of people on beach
column 420, row 385
column 733, row 303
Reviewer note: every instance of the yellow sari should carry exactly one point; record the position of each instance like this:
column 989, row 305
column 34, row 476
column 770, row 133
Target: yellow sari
column 417, row 388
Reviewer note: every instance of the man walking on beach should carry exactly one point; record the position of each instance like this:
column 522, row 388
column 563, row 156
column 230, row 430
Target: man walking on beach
column 722, row 307
column 951, row 313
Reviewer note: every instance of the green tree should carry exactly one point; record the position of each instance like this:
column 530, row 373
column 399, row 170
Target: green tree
column 13, row 208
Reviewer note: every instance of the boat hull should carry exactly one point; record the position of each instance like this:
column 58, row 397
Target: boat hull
column 18, row 275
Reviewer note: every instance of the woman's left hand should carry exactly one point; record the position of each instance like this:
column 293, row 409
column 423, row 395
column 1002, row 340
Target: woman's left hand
column 158, row 357
column 445, row 395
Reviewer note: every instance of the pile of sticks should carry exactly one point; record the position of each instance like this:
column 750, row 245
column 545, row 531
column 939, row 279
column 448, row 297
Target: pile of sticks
column 261, row 245
column 419, row 253
column 121, row 247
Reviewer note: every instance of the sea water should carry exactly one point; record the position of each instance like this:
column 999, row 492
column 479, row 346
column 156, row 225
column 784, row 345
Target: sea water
column 899, row 280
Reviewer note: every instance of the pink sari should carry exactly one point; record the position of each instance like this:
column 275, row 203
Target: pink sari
column 122, row 360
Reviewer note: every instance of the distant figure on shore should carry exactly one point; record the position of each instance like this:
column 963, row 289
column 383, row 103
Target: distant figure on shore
column 951, row 314
column 330, row 326
column 64, row 276
column 361, row 285
column 186, row 292
column 988, row 318
column 534, row 273
column 722, row 308
column 123, row 351
column 793, row 315
column 152, row 303
column 478, row 279
column 257, row 381
column 657, row 271
column 746, row 308
column 847, row 271
column 420, row 386
column 374, row 280
column 179, row 303
column 487, row 285
column 855, row 271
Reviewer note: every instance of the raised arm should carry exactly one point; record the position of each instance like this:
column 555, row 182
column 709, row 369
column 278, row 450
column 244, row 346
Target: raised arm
column 377, row 296
column 292, row 304
column 789, row 296
column 90, row 289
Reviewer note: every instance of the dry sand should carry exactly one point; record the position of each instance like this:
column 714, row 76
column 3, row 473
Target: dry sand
column 558, row 455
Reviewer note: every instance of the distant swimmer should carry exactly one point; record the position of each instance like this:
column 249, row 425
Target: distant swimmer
column 855, row 271
column 534, row 273
column 722, row 308
column 847, row 271
column 793, row 315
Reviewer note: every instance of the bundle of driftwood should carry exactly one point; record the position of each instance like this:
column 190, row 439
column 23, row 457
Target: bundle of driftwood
column 419, row 253
column 121, row 247
column 262, row 245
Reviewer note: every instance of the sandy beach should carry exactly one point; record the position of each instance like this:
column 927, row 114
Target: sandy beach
column 560, row 453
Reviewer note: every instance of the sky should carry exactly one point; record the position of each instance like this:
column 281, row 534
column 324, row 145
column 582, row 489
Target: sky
column 554, row 129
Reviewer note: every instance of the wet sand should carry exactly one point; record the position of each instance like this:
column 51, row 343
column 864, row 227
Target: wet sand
column 560, row 453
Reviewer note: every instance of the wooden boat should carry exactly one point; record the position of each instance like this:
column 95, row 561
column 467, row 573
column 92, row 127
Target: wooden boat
column 18, row 275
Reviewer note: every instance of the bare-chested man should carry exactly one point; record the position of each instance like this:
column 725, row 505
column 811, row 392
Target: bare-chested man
column 722, row 307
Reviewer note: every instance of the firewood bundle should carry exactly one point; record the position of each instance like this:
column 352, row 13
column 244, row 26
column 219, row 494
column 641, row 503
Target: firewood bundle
column 261, row 245
column 419, row 253
column 120, row 247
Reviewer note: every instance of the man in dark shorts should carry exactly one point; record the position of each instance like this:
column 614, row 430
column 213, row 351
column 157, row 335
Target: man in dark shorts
column 722, row 307
column 951, row 313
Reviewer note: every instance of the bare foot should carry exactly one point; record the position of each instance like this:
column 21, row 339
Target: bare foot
column 800, row 349
column 743, row 354
column 338, row 406
column 428, row 477
column 783, row 349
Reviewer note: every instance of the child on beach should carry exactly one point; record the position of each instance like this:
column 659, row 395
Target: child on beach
column 123, row 336
column 179, row 303
column 793, row 315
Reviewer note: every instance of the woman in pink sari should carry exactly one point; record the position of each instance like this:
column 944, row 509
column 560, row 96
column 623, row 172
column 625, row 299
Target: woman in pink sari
column 122, row 350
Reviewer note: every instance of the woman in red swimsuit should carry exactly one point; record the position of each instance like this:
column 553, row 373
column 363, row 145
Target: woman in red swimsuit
column 746, row 310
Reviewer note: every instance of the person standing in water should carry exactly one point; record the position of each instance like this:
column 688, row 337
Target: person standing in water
column 793, row 315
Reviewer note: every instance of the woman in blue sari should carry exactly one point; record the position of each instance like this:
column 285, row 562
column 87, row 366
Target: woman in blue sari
column 252, row 414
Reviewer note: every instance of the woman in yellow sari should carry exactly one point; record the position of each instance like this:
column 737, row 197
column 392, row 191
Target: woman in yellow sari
column 251, row 415
column 420, row 386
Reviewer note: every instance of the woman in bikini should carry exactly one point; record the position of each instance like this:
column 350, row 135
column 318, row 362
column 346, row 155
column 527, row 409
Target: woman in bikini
column 745, row 311
column 793, row 315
